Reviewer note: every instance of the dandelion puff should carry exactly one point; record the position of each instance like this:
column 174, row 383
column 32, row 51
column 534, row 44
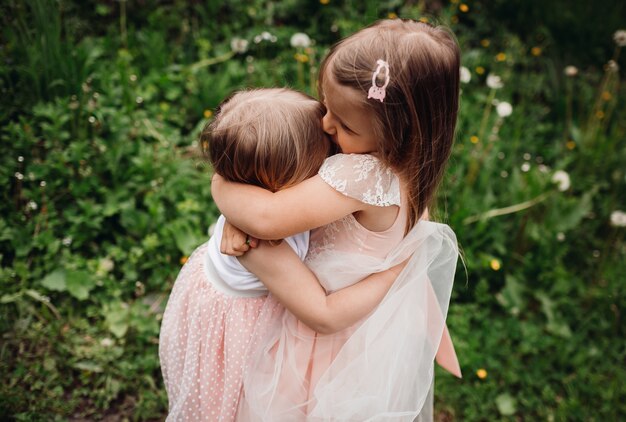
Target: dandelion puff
column 18, row 175
column 562, row 179
column 238, row 45
column 20, row 159
column 300, row 39
column 32, row 205
column 525, row 167
column 618, row 218
column 620, row 37
column 494, row 81
column 504, row 109
column 465, row 75
column 611, row 66
column 570, row 71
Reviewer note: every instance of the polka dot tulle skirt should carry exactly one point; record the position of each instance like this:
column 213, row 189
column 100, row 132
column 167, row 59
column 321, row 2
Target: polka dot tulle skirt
column 203, row 346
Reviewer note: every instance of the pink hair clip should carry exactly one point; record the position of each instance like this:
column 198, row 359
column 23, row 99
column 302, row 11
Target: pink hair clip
column 378, row 92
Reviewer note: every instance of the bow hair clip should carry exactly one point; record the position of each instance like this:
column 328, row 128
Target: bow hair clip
column 378, row 92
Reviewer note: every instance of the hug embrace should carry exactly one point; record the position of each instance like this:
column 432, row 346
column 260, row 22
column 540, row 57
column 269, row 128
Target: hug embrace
column 323, row 292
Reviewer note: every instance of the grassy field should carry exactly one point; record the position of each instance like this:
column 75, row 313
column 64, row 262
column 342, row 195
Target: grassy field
column 104, row 194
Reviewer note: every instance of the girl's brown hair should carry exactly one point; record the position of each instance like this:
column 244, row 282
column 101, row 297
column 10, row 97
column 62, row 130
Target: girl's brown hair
column 272, row 138
column 415, row 124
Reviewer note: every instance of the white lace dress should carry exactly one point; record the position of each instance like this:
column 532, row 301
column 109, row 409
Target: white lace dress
column 381, row 368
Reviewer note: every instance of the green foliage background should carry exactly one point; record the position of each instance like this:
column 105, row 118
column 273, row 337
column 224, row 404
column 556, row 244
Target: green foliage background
column 104, row 195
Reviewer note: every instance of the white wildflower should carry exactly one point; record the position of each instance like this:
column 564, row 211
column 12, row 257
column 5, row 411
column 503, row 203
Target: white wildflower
column 466, row 75
column 106, row 342
column 67, row 241
column 561, row 178
column 300, row 39
column 32, row 205
column 105, row 265
column 504, row 109
column 618, row 218
column 266, row 36
column 571, row 71
column 239, row 45
column 494, row 81
column 620, row 37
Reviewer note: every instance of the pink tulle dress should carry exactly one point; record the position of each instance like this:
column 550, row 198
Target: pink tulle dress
column 209, row 320
column 382, row 367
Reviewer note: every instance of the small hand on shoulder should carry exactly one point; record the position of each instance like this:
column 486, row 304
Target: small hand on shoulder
column 235, row 242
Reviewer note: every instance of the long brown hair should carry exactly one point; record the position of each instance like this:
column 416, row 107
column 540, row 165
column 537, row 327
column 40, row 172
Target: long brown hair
column 272, row 138
column 416, row 122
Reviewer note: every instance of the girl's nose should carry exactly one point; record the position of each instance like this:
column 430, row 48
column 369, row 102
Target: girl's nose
column 328, row 124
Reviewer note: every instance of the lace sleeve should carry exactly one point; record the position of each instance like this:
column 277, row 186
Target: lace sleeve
column 362, row 177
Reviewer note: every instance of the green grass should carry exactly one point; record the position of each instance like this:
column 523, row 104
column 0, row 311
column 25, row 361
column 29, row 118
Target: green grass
column 104, row 195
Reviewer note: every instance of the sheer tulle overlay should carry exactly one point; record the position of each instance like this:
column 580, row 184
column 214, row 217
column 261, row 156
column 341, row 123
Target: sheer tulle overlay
column 204, row 341
column 380, row 369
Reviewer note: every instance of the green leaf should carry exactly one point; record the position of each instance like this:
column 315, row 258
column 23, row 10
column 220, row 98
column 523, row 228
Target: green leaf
column 56, row 280
column 507, row 405
column 117, row 317
column 79, row 284
column 88, row 366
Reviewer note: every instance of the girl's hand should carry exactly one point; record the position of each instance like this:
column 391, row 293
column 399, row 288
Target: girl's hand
column 235, row 242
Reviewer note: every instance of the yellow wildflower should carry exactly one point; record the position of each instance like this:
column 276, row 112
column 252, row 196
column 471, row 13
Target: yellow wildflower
column 324, row 1
column 302, row 58
column 600, row 114
column 208, row 114
column 500, row 57
column 474, row 139
column 535, row 51
column 606, row 96
column 183, row 259
column 392, row 15
column 570, row 145
column 423, row 19
column 485, row 42
column 454, row 1
column 464, row 8
column 481, row 373
column 495, row 264
column 480, row 70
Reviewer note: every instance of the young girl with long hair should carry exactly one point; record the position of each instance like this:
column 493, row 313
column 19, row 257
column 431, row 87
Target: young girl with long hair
column 391, row 93
column 269, row 138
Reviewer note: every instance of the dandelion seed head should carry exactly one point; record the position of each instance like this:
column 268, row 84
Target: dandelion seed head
column 596, row 253
column 560, row 236
column 526, row 156
column 504, row 109
column 525, row 167
column 465, row 75
column 570, row 71
column 620, row 37
column 562, row 179
column 133, row 78
column 300, row 40
column 618, row 218
column 32, row 205
column 42, row 183
column 504, row 174
column 20, row 159
column 92, row 119
column 18, row 175
column 501, row 155
column 494, row 81
column 139, row 100
column 611, row 66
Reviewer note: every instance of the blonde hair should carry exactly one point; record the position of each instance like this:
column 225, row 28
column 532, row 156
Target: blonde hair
column 272, row 138
column 415, row 123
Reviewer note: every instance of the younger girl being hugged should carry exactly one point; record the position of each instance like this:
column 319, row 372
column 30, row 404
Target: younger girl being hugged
column 391, row 92
column 269, row 138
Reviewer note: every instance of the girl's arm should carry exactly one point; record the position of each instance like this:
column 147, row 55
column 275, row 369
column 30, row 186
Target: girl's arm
column 276, row 215
column 297, row 288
